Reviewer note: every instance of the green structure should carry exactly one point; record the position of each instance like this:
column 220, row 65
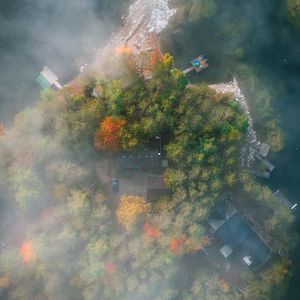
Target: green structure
column 47, row 79
column 43, row 82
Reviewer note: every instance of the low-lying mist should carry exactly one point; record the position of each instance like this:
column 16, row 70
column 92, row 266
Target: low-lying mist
column 60, row 34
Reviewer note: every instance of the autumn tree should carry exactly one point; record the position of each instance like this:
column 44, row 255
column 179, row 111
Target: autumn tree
column 151, row 231
column 131, row 207
column 73, row 250
column 108, row 136
column 27, row 252
column 78, row 203
column 271, row 283
column 27, row 187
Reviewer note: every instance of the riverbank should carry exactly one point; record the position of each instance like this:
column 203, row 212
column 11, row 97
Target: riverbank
column 233, row 87
column 145, row 20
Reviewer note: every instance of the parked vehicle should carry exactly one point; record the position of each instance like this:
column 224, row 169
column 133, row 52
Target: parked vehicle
column 115, row 185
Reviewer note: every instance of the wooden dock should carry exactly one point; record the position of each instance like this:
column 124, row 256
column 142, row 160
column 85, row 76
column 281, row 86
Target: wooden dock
column 265, row 162
column 198, row 64
column 284, row 200
column 188, row 70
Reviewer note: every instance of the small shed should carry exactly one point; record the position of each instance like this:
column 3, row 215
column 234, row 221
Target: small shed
column 47, row 79
column 43, row 82
column 49, row 75
column 199, row 63
column 264, row 150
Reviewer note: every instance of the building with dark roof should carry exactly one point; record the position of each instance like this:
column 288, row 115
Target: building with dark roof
column 240, row 239
column 146, row 160
column 156, row 188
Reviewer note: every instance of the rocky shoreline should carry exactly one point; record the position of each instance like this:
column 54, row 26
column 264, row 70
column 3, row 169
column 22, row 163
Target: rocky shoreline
column 234, row 88
column 145, row 19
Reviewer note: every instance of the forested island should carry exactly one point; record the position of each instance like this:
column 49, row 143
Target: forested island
column 71, row 235
column 80, row 243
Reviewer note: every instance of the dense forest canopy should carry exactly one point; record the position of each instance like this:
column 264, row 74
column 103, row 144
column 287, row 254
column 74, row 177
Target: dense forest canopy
column 76, row 241
column 293, row 7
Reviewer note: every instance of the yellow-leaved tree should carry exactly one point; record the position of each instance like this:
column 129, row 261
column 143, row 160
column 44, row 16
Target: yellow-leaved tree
column 131, row 208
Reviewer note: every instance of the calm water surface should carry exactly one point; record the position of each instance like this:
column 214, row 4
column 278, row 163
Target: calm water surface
column 35, row 33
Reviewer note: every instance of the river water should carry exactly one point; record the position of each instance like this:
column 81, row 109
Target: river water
column 272, row 47
column 254, row 32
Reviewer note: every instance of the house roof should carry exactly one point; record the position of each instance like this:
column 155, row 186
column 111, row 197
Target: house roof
column 215, row 224
column 234, row 231
column 142, row 159
column 49, row 75
column 43, row 82
column 226, row 250
column 47, row 78
column 238, row 235
column 225, row 209
column 257, row 247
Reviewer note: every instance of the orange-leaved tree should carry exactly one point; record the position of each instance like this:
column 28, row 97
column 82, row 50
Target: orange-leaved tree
column 110, row 267
column 224, row 285
column 27, row 252
column 108, row 136
column 176, row 245
column 151, row 231
column 155, row 57
column 131, row 207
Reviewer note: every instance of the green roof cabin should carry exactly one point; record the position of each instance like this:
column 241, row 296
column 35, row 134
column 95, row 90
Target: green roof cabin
column 48, row 79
